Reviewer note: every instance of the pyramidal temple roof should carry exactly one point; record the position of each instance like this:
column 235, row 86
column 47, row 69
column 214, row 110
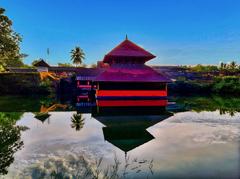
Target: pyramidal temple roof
column 128, row 50
column 131, row 73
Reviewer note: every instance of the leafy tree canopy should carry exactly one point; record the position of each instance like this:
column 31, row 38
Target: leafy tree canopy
column 204, row 68
column 65, row 65
column 229, row 69
column 9, row 43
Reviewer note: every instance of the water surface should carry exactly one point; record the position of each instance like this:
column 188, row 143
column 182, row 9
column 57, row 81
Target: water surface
column 199, row 139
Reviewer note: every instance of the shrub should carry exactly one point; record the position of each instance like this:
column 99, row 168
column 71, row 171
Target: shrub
column 23, row 83
column 227, row 85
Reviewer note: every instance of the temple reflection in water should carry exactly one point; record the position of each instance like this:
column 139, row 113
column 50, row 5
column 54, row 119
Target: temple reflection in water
column 126, row 121
column 128, row 132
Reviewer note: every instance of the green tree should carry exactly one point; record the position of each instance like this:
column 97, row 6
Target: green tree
column 204, row 68
column 222, row 66
column 65, row 65
column 238, row 69
column 9, row 43
column 77, row 55
column 233, row 66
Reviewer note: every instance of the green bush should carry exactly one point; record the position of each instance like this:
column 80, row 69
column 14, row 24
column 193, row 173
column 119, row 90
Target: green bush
column 227, row 85
column 23, row 83
column 188, row 87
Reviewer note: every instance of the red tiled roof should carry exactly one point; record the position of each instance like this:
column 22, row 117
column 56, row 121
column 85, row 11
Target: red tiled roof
column 131, row 73
column 128, row 49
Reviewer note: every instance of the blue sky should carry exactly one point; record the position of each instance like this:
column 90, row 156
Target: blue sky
column 177, row 31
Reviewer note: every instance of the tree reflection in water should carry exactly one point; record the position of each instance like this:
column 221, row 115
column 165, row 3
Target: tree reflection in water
column 77, row 121
column 10, row 139
column 225, row 105
column 72, row 166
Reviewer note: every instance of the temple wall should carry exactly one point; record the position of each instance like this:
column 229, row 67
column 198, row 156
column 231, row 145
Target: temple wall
column 131, row 86
column 115, row 89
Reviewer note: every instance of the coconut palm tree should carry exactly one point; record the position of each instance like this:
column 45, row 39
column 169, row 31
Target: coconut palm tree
column 77, row 55
column 222, row 66
column 233, row 66
column 77, row 121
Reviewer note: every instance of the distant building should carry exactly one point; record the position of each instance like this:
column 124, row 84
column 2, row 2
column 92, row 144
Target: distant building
column 42, row 66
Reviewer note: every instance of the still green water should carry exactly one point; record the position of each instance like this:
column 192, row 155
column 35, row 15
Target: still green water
column 198, row 137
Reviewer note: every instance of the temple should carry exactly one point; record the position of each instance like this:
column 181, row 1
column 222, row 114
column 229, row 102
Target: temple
column 127, row 75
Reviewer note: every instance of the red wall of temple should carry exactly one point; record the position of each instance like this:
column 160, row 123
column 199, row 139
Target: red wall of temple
column 131, row 93
column 108, row 103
